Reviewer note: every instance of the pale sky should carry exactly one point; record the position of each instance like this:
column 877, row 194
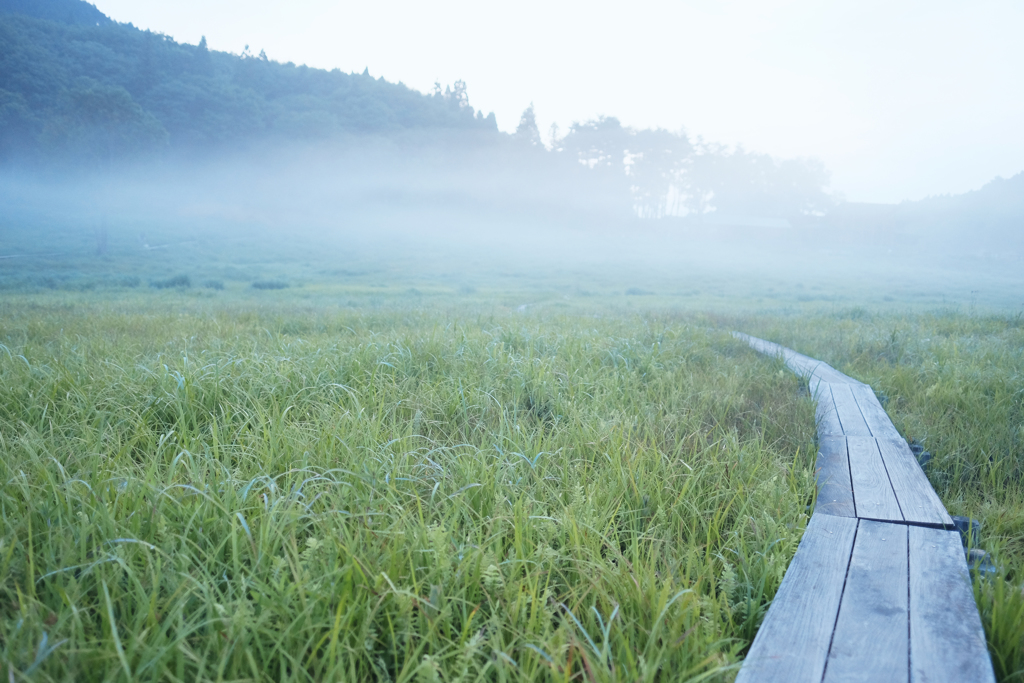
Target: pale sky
column 900, row 100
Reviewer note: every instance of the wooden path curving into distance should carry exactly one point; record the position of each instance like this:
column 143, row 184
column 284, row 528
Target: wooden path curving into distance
column 879, row 588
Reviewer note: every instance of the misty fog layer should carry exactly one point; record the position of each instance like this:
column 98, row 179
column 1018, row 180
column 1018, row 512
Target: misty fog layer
column 395, row 217
column 128, row 157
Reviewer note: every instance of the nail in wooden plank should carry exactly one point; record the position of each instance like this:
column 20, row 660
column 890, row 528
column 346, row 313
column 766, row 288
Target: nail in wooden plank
column 918, row 500
column 849, row 412
column 874, row 414
column 792, row 644
column 835, row 493
column 947, row 642
column 870, row 642
column 872, row 491
column 825, row 412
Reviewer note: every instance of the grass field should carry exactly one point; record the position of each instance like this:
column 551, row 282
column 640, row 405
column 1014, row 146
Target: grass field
column 402, row 495
column 298, row 466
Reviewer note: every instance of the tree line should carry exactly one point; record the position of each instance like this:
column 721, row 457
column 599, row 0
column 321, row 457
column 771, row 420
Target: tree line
column 668, row 174
column 78, row 88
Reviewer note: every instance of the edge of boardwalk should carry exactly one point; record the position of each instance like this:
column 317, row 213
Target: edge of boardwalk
column 879, row 588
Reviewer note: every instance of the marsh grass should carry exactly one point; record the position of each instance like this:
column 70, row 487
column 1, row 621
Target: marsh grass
column 402, row 495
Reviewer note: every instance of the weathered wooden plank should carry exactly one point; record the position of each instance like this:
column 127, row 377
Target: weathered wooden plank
column 870, row 642
column 760, row 345
column 821, row 379
column 825, row 412
column 832, row 469
column 754, row 342
column 872, row 491
column 830, row 374
column 799, row 363
column 849, row 412
column 918, row 500
column 874, row 414
column 805, row 370
column 947, row 642
column 763, row 346
column 792, row 644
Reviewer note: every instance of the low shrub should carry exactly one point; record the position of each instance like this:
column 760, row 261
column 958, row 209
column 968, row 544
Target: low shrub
column 178, row 281
column 269, row 284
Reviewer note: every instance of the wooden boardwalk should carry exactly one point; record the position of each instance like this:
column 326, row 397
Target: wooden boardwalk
column 879, row 588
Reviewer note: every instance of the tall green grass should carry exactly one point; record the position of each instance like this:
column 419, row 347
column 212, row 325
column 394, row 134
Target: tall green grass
column 397, row 496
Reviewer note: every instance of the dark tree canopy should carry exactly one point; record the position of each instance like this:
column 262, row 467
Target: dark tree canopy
column 63, row 11
column 59, row 56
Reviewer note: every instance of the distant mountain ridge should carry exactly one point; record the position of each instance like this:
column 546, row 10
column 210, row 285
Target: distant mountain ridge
column 77, row 86
column 997, row 204
column 998, row 199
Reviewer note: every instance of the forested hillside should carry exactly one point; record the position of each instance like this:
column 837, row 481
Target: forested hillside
column 997, row 204
column 77, row 89
column 64, row 11
column 76, row 86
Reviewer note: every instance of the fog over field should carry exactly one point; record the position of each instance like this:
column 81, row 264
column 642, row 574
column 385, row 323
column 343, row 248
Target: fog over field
column 430, row 217
column 134, row 156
